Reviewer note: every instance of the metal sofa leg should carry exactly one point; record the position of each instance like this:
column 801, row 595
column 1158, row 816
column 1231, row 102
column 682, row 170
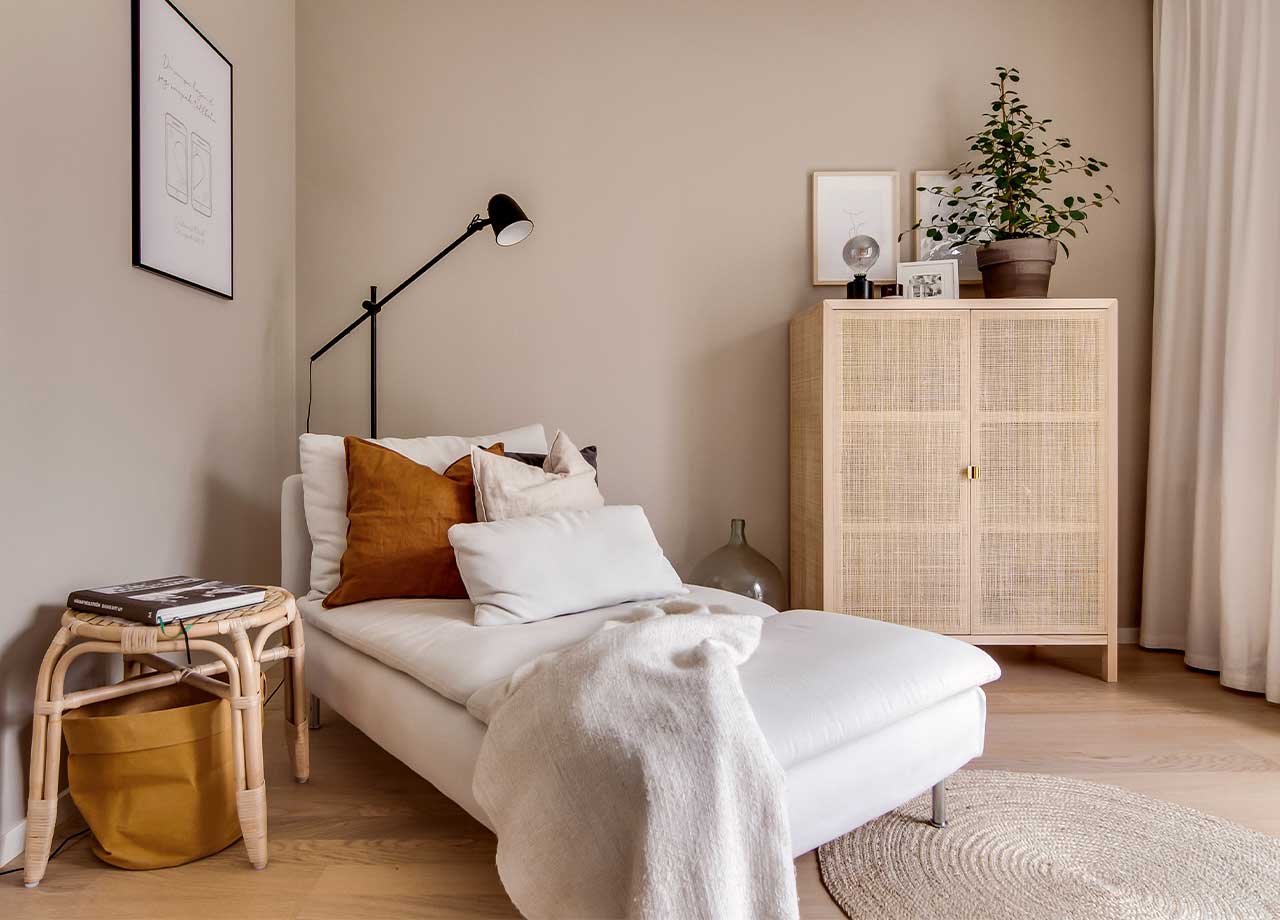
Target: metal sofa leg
column 313, row 707
column 939, row 818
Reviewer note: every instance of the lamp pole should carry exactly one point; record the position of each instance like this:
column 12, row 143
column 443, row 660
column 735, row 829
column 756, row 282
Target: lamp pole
column 372, row 307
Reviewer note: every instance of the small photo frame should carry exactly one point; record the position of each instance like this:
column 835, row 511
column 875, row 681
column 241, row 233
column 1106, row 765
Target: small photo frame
column 928, row 205
column 849, row 204
column 932, row 278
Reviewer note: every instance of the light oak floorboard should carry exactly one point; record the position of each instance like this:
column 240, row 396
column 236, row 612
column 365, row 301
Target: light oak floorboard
column 367, row 838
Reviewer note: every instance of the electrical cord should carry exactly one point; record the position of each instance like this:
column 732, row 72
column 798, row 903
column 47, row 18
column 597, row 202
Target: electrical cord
column 273, row 692
column 310, row 365
column 76, row 836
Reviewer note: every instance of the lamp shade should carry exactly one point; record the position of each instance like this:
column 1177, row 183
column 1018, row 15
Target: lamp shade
column 510, row 225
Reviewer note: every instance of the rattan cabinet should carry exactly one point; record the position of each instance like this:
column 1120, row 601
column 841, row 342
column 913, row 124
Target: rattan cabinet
column 953, row 467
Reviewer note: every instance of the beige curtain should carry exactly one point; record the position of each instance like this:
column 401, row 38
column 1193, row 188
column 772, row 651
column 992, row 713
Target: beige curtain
column 1211, row 584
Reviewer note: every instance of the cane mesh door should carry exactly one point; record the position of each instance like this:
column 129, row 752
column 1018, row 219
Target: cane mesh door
column 1039, row 442
column 902, row 445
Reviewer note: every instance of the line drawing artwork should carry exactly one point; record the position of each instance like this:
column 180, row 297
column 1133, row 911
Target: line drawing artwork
column 201, row 175
column 855, row 221
column 175, row 158
column 848, row 205
column 188, row 166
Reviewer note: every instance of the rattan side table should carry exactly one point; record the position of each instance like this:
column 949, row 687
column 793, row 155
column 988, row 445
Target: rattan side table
column 248, row 628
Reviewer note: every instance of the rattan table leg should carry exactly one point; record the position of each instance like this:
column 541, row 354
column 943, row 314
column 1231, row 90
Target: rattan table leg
column 296, row 722
column 251, row 801
column 46, row 747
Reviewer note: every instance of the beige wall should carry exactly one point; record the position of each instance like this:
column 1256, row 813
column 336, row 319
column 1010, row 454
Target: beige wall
column 146, row 426
column 664, row 151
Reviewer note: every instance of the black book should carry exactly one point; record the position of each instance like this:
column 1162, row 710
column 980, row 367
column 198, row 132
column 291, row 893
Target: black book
column 163, row 600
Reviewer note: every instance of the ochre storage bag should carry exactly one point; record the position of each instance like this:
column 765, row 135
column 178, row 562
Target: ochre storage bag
column 153, row 776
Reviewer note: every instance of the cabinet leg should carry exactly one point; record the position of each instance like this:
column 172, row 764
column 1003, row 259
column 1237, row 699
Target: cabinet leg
column 1111, row 661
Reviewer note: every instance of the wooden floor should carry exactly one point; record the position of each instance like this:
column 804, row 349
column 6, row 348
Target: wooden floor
column 366, row 838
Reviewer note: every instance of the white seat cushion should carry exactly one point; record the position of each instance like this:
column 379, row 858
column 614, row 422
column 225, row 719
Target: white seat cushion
column 436, row 642
column 817, row 681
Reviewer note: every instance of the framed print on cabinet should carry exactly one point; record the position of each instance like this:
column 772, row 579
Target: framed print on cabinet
column 849, row 204
column 930, row 278
column 927, row 205
column 182, row 201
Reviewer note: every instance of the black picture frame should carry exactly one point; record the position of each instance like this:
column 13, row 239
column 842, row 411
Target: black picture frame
column 135, row 12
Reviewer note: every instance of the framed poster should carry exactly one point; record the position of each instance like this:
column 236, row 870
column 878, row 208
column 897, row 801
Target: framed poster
column 182, row 221
column 927, row 206
column 850, row 204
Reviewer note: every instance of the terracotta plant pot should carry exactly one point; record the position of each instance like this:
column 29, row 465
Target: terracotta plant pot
column 1017, row 268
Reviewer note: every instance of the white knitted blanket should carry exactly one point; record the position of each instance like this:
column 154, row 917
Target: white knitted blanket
column 627, row 777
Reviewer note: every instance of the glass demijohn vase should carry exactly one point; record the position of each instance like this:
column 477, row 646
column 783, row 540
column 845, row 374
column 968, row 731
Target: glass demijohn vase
column 738, row 568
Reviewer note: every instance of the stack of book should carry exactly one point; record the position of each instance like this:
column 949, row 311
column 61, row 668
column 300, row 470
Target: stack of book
column 163, row 600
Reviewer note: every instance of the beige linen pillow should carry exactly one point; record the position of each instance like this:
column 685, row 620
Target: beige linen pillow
column 507, row 488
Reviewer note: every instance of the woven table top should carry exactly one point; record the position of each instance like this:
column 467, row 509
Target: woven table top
column 276, row 605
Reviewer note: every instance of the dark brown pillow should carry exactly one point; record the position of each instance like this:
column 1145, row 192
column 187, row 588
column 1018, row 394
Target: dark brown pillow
column 398, row 519
column 588, row 454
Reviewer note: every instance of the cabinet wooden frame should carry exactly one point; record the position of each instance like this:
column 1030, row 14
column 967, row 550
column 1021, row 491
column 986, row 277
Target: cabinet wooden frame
column 817, row 502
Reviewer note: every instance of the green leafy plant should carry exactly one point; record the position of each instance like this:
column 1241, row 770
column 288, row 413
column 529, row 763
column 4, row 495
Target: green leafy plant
column 1008, row 197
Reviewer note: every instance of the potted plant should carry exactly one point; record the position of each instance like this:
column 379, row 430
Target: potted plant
column 1005, row 207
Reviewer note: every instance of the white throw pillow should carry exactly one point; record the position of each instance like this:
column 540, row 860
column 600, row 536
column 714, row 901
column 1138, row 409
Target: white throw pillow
column 507, row 488
column 537, row 567
column 323, row 459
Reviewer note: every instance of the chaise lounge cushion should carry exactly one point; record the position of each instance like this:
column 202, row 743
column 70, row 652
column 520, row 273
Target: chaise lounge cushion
column 817, row 681
column 820, row 680
column 436, row 642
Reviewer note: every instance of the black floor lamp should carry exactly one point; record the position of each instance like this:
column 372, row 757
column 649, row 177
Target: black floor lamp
column 510, row 226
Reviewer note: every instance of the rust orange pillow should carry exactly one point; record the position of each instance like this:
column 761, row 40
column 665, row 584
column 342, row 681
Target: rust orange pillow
column 398, row 519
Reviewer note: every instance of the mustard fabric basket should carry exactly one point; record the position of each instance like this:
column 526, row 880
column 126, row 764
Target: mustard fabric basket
column 153, row 776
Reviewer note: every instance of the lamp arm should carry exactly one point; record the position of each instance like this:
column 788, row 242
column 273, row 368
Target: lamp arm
column 372, row 307
column 342, row 335
column 477, row 223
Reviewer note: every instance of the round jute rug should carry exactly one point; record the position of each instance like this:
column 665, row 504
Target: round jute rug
column 1019, row 846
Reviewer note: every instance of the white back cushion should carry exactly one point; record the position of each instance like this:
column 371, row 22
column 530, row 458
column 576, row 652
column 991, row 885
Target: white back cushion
column 507, row 488
column 324, row 484
column 533, row 568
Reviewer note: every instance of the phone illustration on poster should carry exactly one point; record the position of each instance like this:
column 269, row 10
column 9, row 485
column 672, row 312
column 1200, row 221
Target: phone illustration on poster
column 182, row 142
column 175, row 161
column 201, row 175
